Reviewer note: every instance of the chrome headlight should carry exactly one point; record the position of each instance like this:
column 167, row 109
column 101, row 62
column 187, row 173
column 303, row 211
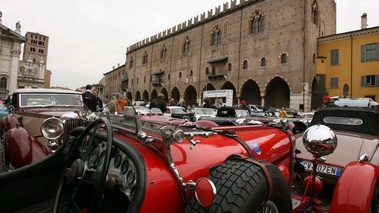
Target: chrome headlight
column 320, row 139
column 52, row 128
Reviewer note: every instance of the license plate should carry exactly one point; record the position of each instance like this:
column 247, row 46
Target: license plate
column 330, row 170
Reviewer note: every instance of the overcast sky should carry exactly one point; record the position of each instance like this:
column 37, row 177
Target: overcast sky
column 89, row 37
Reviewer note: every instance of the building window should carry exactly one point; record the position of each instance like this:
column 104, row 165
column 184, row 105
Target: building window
column 369, row 80
column 131, row 61
column 334, row 55
column 207, row 71
column 213, row 70
column 257, row 22
column 314, row 58
column 283, row 58
column 333, row 82
column 180, row 74
column 229, row 67
column 370, row 52
column 216, row 38
column 168, row 76
column 263, row 62
column 163, row 52
column 191, row 73
column 314, row 15
column 244, row 64
column 137, row 80
column 186, row 45
column 144, row 58
column 144, row 79
column 3, row 83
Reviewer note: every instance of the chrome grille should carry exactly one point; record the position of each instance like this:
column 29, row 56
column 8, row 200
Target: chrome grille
column 69, row 125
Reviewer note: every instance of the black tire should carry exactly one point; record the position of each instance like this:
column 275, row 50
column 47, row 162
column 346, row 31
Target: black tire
column 242, row 187
column 374, row 202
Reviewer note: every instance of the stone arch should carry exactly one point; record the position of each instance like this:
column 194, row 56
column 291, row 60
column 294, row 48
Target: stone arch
column 229, row 85
column 190, row 96
column 138, row 96
column 277, row 93
column 207, row 87
column 318, row 90
column 175, row 94
column 145, row 96
column 129, row 96
column 153, row 94
column 165, row 93
column 251, row 93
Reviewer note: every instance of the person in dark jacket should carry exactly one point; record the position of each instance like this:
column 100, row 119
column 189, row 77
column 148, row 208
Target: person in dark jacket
column 328, row 102
column 159, row 103
column 89, row 99
column 99, row 104
column 207, row 103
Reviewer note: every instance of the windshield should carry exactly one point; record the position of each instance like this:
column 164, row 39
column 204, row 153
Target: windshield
column 178, row 110
column 204, row 111
column 242, row 112
column 50, row 99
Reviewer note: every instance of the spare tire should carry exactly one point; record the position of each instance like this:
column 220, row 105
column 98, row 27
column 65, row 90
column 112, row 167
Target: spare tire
column 242, row 186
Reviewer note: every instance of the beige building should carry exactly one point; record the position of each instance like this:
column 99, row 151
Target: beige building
column 265, row 51
column 115, row 81
column 348, row 64
column 10, row 50
column 33, row 72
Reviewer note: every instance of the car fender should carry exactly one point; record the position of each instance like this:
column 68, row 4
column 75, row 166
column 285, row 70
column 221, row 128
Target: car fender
column 23, row 149
column 355, row 188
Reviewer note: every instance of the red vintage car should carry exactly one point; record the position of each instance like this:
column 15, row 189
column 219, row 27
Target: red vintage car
column 23, row 138
column 151, row 163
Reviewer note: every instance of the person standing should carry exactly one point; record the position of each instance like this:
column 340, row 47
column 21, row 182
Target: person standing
column 121, row 103
column 327, row 102
column 89, row 99
column 207, row 103
column 99, row 105
column 159, row 103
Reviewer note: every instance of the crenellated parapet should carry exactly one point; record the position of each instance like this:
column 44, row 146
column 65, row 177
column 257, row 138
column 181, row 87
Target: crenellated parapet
column 227, row 7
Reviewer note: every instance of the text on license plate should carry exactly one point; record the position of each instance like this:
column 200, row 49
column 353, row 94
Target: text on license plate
column 330, row 170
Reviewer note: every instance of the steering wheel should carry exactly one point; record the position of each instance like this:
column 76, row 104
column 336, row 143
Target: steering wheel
column 76, row 170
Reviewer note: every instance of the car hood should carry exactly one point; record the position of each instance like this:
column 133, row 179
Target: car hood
column 48, row 112
column 350, row 146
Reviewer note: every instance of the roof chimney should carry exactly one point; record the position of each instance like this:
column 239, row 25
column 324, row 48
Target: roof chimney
column 364, row 21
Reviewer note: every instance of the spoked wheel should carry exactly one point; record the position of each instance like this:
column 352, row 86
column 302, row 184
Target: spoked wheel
column 77, row 172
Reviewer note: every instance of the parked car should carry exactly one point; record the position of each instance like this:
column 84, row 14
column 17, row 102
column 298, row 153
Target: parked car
column 255, row 108
column 203, row 112
column 26, row 132
column 134, row 163
column 179, row 112
column 357, row 132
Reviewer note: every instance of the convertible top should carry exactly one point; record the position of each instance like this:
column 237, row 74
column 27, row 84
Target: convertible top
column 369, row 116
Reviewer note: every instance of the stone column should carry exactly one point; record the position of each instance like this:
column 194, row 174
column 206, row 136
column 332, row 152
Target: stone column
column 14, row 68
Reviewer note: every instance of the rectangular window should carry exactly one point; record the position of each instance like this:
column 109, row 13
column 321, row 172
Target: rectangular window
column 369, row 80
column 333, row 82
column 370, row 52
column 334, row 57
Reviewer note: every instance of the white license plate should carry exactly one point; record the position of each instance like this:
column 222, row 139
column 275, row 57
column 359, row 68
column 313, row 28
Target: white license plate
column 330, row 170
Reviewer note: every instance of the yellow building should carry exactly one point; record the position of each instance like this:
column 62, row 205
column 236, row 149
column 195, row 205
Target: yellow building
column 348, row 63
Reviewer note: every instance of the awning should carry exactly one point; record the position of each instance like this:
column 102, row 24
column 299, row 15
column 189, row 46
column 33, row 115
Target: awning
column 218, row 59
column 158, row 73
column 125, row 78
